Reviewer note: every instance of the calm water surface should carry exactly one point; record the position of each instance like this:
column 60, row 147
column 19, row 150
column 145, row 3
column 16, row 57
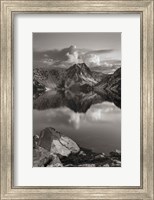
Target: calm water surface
column 98, row 129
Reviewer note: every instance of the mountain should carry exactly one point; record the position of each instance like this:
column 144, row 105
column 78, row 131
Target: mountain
column 112, row 82
column 76, row 77
column 79, row 74
column 98, row 76
column 50, row 78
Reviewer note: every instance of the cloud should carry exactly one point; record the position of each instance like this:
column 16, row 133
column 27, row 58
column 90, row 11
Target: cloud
column 91, row 59
column 105, row 111
column 97, row 57
column 99, row 52
column 55, row 54
column 75, row 119
column 71, row 55
column 48, row 61
column 65, row 57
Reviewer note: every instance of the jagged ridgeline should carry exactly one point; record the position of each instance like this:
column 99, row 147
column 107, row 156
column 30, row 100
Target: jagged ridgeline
column 76, row 77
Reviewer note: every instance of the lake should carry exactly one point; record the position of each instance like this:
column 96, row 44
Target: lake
column 93, row 121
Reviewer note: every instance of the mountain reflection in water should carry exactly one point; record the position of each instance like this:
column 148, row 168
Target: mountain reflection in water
column 92, row 120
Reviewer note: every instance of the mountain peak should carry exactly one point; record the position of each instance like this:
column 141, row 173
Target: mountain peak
column 79, row 74
column 79, row 68
column 80, row 65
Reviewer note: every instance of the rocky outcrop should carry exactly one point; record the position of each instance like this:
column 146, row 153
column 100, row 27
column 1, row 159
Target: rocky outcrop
column 40, row 156
column 53, row 149
column 112, row 83
column 79, row 74
column 98, row 76
column 49, row 146
column 38, row 89
column 50, row 78
column 111, row 86
column 56, row 143
column 55, row 162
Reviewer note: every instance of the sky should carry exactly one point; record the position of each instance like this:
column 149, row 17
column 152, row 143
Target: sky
column 101, row 50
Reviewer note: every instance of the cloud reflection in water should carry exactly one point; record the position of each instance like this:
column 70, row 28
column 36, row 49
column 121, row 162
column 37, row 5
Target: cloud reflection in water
column 98, row 126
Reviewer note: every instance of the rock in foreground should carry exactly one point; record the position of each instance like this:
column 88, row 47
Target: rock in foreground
column 56, row 143
column 53, row 149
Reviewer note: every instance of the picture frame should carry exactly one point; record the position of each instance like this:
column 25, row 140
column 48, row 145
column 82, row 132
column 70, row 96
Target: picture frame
column 8, row 10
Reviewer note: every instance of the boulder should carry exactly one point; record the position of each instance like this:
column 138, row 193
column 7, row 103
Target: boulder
column 87, row 165
column 59, row 149
column 82, row 153
column 40, row 157
column 115, row 155
column 106, row 165
column 35, row 141
column 99, row 156
column 115, row 165
column 57, row 143
column 69, row 165
column 55, row 162
column 117, row 162
column 118, row 151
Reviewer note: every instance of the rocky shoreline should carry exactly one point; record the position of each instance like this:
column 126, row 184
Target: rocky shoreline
column 53, row 149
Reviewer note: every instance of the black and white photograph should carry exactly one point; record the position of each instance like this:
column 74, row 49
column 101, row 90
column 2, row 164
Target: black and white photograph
column 76, row 99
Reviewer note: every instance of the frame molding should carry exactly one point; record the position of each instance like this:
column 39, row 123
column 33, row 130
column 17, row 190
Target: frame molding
column 8, row 10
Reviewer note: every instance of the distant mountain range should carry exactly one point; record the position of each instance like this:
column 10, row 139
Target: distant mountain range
column 77, row 77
